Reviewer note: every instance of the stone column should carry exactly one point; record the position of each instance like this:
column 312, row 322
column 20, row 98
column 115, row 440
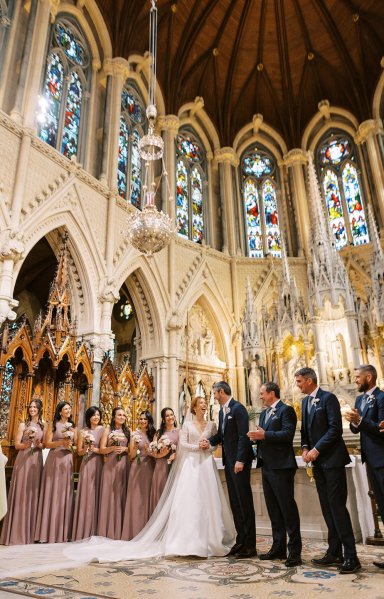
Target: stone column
column 354, row 349
column 295, row 160
column 320, row 352
column 210, row 229
column 120, row 72
column 106, row 124
column 90, row 135
column 366, row 134
column 169, row 127
column 228, row 160
column 37, row 61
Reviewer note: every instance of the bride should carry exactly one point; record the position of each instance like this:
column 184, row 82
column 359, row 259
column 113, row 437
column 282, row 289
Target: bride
column 191, row 518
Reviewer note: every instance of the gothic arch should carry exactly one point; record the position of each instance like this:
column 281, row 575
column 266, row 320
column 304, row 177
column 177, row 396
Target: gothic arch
column 259, row 132
column 328, row 117
column 85, row 273
column 193, row 114
column 378, row 98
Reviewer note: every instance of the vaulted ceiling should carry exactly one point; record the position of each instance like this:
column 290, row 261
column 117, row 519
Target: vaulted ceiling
column 274, row 57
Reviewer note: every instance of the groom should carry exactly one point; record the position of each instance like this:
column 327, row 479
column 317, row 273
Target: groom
column 237, row 460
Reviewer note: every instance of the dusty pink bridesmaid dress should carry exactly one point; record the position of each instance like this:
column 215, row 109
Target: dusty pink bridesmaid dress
column 88, row 491
column 20, row 521
column 113, row 493
column 161, row 471
column 54, row 520
column 136, row 513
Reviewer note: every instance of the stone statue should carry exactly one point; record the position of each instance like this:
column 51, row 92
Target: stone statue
column 254, row 383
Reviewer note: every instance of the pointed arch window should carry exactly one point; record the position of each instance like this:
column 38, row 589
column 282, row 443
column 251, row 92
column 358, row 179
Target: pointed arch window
column 61, row 112
column 129, row 167
column 342, row 191
column 191, row 182
column 259, row 195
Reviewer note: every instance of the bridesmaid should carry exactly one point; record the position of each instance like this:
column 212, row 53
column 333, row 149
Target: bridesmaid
column 54, row 520
column 137, row 513
column 20, row 522
column 114, row 480
column 167, row 429
column 88, row 488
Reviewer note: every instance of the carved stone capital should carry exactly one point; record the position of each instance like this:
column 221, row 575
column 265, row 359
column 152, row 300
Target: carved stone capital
column 120, row 68
column 227, row 154
column 6, row 308
column 108, row 291
column 169, row 122
column 174, row 322
column 100, row 345
column 96, row 64
column 295, row 156
column 257, row 121
column 11, row 245
column 54, row 8
column 368, row 129
column 325, row 109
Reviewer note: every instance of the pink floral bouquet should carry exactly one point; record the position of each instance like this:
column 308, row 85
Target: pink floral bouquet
column 89, row 441
column 69, row 433
column 165, row 443
column 136, row 438
column 116, row 438
column 31, row 436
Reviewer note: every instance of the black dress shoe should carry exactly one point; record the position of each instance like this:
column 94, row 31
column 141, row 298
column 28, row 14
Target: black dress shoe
column 235, row 549
column 379, row 565
column 272, row 554
column 349, row 565
column 246, row 552
column 293, row 560
column 327, row 560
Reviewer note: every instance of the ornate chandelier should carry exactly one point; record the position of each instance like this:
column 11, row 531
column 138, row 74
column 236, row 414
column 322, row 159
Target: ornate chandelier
column 149, row 231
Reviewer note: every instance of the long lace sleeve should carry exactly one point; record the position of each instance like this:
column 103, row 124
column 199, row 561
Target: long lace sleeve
column 188, row 440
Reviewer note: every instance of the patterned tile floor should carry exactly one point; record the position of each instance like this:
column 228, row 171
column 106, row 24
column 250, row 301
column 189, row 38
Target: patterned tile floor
column 216, row 578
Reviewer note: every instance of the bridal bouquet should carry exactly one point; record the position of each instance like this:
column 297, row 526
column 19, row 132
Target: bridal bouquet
column 165, row 443
column 89, row 440
column 69, row 433
column 31, row 436
column 136, row 438
column 116, row 438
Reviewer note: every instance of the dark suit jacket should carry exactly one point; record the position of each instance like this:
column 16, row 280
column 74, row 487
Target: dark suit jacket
column 371, row 439
column 236, row 445
column 324, row 430
column 276, row 449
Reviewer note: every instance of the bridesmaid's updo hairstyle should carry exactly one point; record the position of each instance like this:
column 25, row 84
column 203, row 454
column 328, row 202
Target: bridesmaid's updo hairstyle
column 91, row 412
column 151, row 427
column 161, row 430
column 194, row 402
column 39, row 405
column 57, row 415
column 124, row 427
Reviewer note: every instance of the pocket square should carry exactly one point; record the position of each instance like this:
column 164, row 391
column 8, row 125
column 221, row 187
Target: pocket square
column 229, row 418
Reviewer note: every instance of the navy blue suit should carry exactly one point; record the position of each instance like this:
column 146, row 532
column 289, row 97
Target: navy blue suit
column 372, row 443
column 322, row 428
column 277, row 460
column 237, row 448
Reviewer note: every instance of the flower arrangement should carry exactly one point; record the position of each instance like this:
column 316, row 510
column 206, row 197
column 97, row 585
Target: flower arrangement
column 69, row 433
column 89, row 441
column 136, row 438
column 31, row 437
column 116, row 438
column 161, row 444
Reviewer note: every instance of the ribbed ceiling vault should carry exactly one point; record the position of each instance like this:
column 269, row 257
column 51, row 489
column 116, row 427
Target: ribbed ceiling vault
column 274, row 57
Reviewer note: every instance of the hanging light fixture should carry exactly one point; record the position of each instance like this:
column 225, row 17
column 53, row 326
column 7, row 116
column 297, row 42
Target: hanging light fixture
column 149, row 231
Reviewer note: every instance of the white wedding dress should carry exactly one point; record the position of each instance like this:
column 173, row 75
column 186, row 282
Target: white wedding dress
column 192, row 518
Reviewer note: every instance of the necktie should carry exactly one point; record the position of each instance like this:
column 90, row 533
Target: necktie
column 222, row 422
column 310, row 403
column 364, row 401
column 267, row 415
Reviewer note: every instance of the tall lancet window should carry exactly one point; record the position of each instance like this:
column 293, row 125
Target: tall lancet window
column 191, row 182
column 129, row 166
column 341, row 189
column 61, row 112
column 259, row 194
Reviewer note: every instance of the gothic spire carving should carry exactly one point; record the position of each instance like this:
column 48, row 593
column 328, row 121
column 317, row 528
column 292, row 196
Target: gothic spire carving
column 327, row 274
column 376, row 297
column 251, row 339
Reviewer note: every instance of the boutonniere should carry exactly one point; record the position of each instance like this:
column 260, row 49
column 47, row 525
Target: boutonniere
column 273, row 412
column 316, row 401
column 227, row 411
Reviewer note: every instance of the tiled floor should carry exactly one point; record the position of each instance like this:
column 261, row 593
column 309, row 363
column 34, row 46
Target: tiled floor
column 192, row 578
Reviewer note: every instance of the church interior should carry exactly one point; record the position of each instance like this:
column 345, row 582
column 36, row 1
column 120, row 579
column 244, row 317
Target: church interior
column 270, row 195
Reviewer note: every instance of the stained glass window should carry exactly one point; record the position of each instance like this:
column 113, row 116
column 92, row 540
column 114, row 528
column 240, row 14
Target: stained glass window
column 122, row 162
column 342, row 192
column 190, row 181
column 271, row 219
column 259, row 194
column 60, row 108
column 129, row 162
column 354, row 204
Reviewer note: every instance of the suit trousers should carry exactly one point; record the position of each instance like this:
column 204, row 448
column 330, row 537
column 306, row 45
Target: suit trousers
column 241, row 502
column 331, row 485
column 376, row 478
column 278, row 487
